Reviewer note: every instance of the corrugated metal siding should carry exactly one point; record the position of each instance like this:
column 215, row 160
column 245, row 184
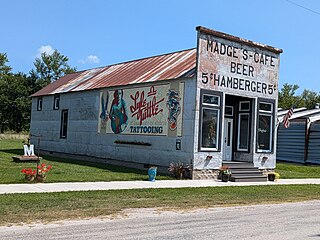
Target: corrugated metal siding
column 291, row 142
column 164, row 67
column 314, row 143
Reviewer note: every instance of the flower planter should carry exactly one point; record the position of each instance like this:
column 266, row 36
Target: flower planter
column 29, row 178
column 152, row 172
column 271, row 177
column 225, row 177
column 41, row 178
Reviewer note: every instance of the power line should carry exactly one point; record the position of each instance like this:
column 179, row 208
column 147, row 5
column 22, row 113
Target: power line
column 308, row 9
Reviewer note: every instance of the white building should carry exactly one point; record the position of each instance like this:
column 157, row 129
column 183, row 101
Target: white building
column 202, row 106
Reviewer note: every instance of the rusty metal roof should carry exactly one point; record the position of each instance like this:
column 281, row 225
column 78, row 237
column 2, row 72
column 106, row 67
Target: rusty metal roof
column 163, row 67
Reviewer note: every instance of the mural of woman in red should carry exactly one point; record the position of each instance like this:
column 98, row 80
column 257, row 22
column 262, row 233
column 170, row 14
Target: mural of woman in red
column 118, row 112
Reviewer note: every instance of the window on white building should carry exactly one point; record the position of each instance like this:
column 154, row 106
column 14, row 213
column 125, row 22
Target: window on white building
column 210, row 121
column 243, row 132
column 265, row 126
column 243, row 126
column 39, row 104
column 56, row 102
column 64, row 124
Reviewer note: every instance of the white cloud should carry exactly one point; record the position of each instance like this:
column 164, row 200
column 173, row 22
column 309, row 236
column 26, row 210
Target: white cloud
column 90, row 59
column 93, row 59
column 45, row 49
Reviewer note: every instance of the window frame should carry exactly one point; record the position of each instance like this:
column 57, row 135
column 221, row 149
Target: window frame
column 244, row 109
column 270, row 114
column 217, row 130
column 64, row 123
column 39, row 103
column 265, row 111
column 210, row 104
column 56, row 102
column 248, row 138
column 218, row 108
column 232, row 111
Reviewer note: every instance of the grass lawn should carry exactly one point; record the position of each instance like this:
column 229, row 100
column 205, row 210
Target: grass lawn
column 44, row 207
column 63, row 170
column 290, row 170
column 68, row 170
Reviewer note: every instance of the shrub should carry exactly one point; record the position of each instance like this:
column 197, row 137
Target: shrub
column 179, row 170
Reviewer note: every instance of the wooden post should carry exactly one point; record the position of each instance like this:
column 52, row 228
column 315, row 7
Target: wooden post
column 38, row 157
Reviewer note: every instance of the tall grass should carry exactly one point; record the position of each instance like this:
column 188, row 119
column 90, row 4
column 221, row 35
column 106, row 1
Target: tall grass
column 10, row 135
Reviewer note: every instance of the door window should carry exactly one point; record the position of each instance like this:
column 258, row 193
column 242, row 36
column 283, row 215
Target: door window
column 243, row 132
column 243, row 126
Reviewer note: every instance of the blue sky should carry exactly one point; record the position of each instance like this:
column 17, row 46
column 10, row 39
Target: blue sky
column 94, row 33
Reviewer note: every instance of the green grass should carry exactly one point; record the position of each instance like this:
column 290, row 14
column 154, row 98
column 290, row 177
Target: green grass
column 63, row 170
column 44, row 207
column 290, row 170
column 69, row 170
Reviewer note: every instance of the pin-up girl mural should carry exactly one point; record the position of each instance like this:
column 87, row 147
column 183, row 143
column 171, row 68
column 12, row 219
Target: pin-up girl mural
column 118, row 112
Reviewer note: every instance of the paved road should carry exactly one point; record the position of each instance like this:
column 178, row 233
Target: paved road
column 281, row 221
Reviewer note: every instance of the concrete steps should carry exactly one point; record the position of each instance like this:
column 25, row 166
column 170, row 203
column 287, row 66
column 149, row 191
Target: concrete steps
column 244, row 172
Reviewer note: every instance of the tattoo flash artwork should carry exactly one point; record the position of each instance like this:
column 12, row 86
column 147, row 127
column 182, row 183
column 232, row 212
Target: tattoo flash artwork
column 173, row 104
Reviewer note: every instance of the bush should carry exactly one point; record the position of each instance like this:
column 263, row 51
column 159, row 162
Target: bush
column 179, row 170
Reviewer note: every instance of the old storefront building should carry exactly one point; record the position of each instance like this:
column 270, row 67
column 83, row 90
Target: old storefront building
column 203, row 106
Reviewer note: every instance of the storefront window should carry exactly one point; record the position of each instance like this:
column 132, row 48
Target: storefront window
column 265, row 123
column 264, row 133
column 210, row 99
column 210, row 121
column 267, row 107
column 209, row 128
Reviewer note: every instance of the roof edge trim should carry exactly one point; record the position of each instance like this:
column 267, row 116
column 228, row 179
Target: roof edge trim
column 238, row 39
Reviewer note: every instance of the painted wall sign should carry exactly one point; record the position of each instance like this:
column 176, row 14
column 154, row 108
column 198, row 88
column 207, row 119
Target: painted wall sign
column 135, row 111
column 173, row 104
column 236, row 68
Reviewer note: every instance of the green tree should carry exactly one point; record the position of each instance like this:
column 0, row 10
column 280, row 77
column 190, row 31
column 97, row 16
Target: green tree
column 287, row 96
column 51, row 67
column 309, row 98
column 5, row 71
column 16, row 88
column 15, row 103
